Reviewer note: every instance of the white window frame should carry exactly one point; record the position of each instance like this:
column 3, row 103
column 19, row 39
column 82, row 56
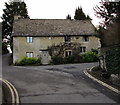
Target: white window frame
column 29, row 54
column 29, row 39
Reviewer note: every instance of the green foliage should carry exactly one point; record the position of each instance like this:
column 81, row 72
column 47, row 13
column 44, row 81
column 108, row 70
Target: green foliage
column 106, row 11
column 4, row 48
column 57, row 60
column 96, row 68
column 73, row 59
column 66, row 60
column 88, row 17
column 95, row 50
column 113, row 60
column 90, row 57
column 28, row 61
column 12, row 9
column 69, row 59
column 80, row 15
column 68, row 17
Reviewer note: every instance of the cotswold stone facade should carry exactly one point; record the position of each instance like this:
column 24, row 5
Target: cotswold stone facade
column 33, row 37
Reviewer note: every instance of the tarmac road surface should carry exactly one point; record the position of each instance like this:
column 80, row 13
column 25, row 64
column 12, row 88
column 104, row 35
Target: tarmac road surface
column 56, row 84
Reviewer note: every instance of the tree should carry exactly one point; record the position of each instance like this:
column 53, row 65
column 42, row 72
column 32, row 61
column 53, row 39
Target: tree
column 108, row 11
column 58, row 50
column 79, row 14
column 12, row 8
column 88, row 17
column 110, row 34
column 68, row 17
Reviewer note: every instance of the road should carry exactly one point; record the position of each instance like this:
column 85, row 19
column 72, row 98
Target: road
column 57, row 84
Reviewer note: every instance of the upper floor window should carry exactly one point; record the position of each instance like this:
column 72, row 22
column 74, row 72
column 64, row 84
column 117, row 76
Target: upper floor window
column 29, row 54
column 67, row 38
column 85, row 38
column 29, row 39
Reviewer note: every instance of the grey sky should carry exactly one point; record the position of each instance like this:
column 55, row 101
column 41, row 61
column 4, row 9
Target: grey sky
column 57, row 9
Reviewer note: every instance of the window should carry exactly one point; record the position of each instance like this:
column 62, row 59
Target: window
column 83, row 49
column 68, row 53
column 67, row 38
column 85, row 38
column 29, row 39
column 77, row 37
column 29, row 54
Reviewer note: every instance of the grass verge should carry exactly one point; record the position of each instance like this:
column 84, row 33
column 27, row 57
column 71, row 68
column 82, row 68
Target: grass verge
column 97, row 73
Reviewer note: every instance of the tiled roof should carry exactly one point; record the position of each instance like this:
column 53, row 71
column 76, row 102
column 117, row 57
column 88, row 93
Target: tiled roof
column 52, row 27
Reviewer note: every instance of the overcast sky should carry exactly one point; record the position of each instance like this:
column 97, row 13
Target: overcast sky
column 57, row 9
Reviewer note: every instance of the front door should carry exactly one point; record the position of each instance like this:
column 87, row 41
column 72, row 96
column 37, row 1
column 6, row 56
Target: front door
column 45, row 57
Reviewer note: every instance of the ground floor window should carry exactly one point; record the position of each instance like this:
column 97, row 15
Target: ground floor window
column 29, row 54
column 83, row 49
column 68, row 53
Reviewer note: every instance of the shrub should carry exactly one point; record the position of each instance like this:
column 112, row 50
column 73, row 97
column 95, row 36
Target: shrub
column 4, row 48
column 105, row 75
column 90, row 57
column 94, row 50
column 112, row 60
column 28, row 61
column 73, row 59
column 97, row 68
column 57, row 60
column 69, row 59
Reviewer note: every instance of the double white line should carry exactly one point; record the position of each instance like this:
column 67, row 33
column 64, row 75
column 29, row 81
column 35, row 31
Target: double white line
column 13, row 91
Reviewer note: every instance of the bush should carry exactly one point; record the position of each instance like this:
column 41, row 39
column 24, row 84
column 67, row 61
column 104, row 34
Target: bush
column 97, row 68
column 4, row 48
column 57, row 60
column 112, row 60
column 94, row 50
column 90, row 57
column 69, row 59
column 29, row 61
column 73, row 59
column 105, row 75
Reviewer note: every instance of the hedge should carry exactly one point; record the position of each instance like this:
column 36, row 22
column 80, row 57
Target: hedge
column 28, row 61
column 112, row 60
column 88, row 57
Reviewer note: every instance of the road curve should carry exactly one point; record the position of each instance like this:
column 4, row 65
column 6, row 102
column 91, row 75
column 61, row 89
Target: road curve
column 13, row 91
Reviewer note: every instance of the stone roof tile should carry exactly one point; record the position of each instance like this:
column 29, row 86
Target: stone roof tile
column 52, row 27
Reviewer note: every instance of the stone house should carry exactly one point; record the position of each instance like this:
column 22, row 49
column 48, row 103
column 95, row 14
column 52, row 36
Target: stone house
column 32, row 37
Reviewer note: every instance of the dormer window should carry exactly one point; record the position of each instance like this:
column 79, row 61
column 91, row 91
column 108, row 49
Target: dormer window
column 85, row 38
column 67, row 38
column 29, row 39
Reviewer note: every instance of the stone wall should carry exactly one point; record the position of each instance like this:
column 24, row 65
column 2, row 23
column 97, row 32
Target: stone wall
column 20, row 46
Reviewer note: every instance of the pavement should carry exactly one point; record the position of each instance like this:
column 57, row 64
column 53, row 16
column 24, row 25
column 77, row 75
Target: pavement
column 56, row 84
